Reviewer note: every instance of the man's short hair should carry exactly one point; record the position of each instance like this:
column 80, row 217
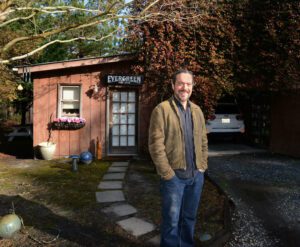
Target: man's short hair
column 184, row 71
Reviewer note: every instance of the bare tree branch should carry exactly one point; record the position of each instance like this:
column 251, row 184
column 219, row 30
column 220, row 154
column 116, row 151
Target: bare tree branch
column 151, row 12
column 60, row 30
column 17, row 19
column 4, row 8
column 6, row 4
column 6, row 61
column 149, row 6
column 60, row 9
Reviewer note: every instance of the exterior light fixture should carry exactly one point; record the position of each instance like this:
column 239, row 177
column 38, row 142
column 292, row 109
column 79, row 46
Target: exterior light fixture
column 20, row 87
column 96, row 89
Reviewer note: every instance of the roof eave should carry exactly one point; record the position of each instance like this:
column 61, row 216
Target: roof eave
column 74, row 63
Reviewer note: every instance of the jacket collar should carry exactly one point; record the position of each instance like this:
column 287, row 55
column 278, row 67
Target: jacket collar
column 172, row 101
column 178, row 103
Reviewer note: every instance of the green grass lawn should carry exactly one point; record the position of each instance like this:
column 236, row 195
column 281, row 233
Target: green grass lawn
column 53, row 182
column 49, row 196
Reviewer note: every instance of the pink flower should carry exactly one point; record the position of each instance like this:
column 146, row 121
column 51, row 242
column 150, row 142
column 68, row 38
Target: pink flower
column 69, row 120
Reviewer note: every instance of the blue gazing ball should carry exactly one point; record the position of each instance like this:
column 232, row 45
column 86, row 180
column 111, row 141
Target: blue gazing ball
column 86, row 158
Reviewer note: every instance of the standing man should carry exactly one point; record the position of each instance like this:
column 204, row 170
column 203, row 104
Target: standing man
column 178, row 147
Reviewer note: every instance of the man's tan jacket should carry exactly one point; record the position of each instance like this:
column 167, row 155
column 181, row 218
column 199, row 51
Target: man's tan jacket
column 166, row 138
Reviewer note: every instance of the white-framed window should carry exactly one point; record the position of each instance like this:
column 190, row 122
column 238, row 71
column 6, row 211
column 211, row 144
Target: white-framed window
column 69, row 102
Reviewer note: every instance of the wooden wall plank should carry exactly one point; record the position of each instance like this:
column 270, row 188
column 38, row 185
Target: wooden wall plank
column 64, row 143
column 40, row 110
column 52, row 112
column 102, row 111
column 64, row 135
column 95, row 112
column 36, row 116
column 75, row 134
column 86, row 112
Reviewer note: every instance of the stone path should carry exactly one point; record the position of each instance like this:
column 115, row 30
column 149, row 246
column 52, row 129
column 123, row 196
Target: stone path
column 111, row 191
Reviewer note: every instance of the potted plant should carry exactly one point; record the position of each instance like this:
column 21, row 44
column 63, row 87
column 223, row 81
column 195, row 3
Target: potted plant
column 47, row 149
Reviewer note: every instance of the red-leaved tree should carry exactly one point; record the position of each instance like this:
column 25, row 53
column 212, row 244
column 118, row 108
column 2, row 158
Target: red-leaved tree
column 198, row 36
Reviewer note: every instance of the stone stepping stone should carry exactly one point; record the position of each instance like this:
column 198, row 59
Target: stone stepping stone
column 117, row 169
column 119, row 164
column 120, row 210
column 110, row 196
column 136, row 226
column 114, row 176
column 155, row 241
column 110, row 185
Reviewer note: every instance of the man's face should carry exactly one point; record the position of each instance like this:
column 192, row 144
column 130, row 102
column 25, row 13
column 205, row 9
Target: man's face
column 183, row 87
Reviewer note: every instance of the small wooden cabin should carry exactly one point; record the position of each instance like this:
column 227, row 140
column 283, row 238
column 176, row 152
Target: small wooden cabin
column 101, row 90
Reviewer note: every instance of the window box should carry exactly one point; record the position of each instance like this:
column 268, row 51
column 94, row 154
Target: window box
column 68, row 123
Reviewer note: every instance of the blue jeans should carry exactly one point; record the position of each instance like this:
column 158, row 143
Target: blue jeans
column 180, row 200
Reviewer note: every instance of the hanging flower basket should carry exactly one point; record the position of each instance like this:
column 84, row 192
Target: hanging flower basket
column 73, row 123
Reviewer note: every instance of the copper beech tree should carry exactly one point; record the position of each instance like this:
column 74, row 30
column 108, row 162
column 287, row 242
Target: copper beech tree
column 231, row 46
column 200, row 37
column 269, row 52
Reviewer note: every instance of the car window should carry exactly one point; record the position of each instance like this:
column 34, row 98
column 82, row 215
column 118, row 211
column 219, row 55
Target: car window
column 226, row 109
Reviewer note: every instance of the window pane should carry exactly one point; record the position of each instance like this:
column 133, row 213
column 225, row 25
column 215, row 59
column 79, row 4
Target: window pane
column 116, row 107
column 123, row 129
column 131, row 107
column 124, row 96
column 123, row 119
column 70, row 113
column 131, row 141
column 116, row 118
column 131, row 97
column 116, row 96
column 131, row 129
column 70, row 105
column 115, row 130
column 115, row 141
column 123, row 108
column 123, row 141
column 70, row 93
column 69, row 101
column 131, row 118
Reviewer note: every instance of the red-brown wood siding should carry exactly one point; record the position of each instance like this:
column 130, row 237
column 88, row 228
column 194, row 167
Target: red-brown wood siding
column 40, row 110
column 285, row 119
column 45, row 103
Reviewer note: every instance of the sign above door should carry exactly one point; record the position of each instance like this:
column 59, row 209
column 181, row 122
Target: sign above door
column 124, row 79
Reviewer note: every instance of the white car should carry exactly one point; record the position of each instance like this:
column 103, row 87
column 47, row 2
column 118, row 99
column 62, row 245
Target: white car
column 226, row 119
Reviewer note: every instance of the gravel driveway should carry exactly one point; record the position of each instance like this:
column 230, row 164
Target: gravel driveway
column 265, row 189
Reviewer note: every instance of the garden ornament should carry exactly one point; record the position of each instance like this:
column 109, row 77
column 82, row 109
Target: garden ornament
column 74, row 158
column 9, row 225
column 86, row 158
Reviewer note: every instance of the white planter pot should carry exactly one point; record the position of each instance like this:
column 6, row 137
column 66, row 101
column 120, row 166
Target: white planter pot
column 47, row 150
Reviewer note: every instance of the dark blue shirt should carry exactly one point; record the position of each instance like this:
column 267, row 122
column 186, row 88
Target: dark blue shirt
column 187, row 127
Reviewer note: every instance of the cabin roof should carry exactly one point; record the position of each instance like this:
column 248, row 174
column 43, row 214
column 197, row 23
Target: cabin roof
column 73, row 63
